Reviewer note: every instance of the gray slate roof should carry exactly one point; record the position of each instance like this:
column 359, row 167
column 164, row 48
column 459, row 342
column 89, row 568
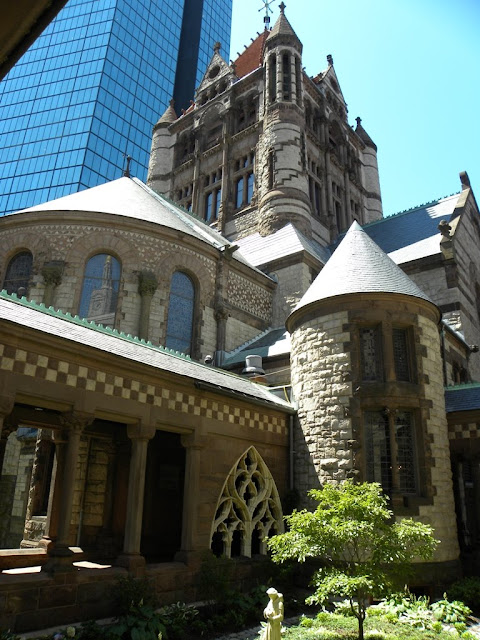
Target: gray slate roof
column 359, row 266
column 77, row 331
column 412, row 234
column 464, row 397
column 273, row 342
column 131, row 198
column 282, row 27
column 260, row 250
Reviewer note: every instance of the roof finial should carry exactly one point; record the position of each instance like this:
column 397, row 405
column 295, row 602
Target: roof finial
column 217, row 46
column 126, row 173
column 358, row 121
column 266, row 17
column 330, row 60
column 172, row 102
column 282, row 6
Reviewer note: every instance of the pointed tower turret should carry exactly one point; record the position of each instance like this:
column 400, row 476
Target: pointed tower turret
column 367, row 377
column 161, row 153
column 283, row 184
column 373, row 207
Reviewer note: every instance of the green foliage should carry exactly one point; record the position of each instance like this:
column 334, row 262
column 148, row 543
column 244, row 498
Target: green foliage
column 363, row 551
column 214, row 578
column 6, row 634
column 140, row 623
column 91, row 631
column 129, row 591
column 466, row 590
column 450, row 612
column 177, row 618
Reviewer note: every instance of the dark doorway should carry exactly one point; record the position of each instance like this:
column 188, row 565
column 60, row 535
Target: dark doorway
column 162, row 511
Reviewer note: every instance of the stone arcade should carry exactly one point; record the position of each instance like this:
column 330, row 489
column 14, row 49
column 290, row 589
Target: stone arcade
column 130, row 443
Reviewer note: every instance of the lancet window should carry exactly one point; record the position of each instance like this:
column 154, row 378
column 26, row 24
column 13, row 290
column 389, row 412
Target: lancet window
column 18, row 274
column 101, row 283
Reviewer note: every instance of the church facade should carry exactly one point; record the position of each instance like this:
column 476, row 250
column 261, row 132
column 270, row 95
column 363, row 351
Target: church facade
column 182, row 360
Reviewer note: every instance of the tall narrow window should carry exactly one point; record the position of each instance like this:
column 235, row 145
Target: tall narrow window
column 180, row 313
column 370, row 350
column 390, row 450
column 239, row 193
column 19, row 271
column 101, row 283
column 400, row 355
column 271, row 169
column 249, row 187
column 273, row 78
column 298, row 79
column 208, row 205
column 286, row 77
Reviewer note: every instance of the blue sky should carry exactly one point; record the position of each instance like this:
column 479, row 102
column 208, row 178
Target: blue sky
column 410, row 69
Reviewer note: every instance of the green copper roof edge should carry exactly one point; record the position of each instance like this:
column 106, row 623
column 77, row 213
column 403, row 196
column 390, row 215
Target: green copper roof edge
column 461, row 387
column 88, row 324
column 99, row 328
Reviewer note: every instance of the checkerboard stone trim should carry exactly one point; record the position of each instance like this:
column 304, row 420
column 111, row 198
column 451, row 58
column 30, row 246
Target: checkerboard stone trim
column 464, row 431
column 81, row 377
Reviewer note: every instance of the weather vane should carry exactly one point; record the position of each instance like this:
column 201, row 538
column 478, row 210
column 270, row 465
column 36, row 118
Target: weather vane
column 266, row 18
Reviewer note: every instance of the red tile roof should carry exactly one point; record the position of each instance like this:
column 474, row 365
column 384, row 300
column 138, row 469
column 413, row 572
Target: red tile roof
column 252, row 57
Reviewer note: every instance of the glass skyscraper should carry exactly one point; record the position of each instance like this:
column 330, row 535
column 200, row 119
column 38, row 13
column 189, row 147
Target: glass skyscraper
column 90, row 89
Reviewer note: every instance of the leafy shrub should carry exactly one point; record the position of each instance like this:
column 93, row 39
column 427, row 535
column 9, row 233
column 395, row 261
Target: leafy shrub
column 140, row 623
column 177, row 618
column 6, row 634
column 466, row 590
column 305, row 622
column 450, row 612
column 129, row 591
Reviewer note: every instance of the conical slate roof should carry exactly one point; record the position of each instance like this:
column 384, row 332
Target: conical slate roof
column 169, row 116
column 282, row 27
column 363, row 135
column 359, row 266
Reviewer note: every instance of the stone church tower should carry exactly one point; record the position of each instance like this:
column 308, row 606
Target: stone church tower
column 264, row 144
column 367, row 375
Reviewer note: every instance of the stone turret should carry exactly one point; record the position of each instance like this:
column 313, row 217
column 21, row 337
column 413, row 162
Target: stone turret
column 373, row 207
column 367, row 376
column 162, row 150
column 283, row 184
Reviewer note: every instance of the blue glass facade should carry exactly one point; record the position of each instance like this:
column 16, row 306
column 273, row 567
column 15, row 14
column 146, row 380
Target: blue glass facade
column 90, row 89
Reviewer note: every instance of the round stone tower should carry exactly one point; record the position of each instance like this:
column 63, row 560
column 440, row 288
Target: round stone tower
column 367, row 376
column 161, row 154
column 283, row 184
column 373, row 207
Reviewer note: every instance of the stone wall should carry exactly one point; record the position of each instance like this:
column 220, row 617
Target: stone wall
column 320, row 361
column 441, row 514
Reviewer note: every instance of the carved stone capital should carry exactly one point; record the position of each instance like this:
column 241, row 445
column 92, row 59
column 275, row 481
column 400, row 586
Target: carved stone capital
column 52, row 274
column 76, row 421
column 147, row 283
column 141, row 431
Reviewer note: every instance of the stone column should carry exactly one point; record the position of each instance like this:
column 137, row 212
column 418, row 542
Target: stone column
column 194, row 445
column 131, row 557
column 61, row 555
column 147, row 285
column 52, row 277
column 6, row 425
column 51, row 524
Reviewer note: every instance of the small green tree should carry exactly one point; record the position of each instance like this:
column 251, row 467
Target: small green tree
column 363, row 551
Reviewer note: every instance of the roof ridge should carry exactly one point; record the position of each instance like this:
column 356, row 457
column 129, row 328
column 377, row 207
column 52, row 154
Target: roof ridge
column 248, row 342
column 418, row 206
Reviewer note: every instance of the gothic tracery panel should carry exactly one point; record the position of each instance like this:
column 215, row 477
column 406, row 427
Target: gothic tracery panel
column 248, row 510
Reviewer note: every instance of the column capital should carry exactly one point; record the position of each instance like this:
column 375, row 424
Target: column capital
column 52, row 273
column 141, row 431
column 6, row 405
column 194, row 441
column 147, row 283
column 76, row 421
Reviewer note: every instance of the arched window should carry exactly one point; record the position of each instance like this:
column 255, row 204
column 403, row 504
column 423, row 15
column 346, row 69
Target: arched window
column 249, row 187
column 180, row 313
column 19, row 271
column 101, row 282
column 239, row 193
